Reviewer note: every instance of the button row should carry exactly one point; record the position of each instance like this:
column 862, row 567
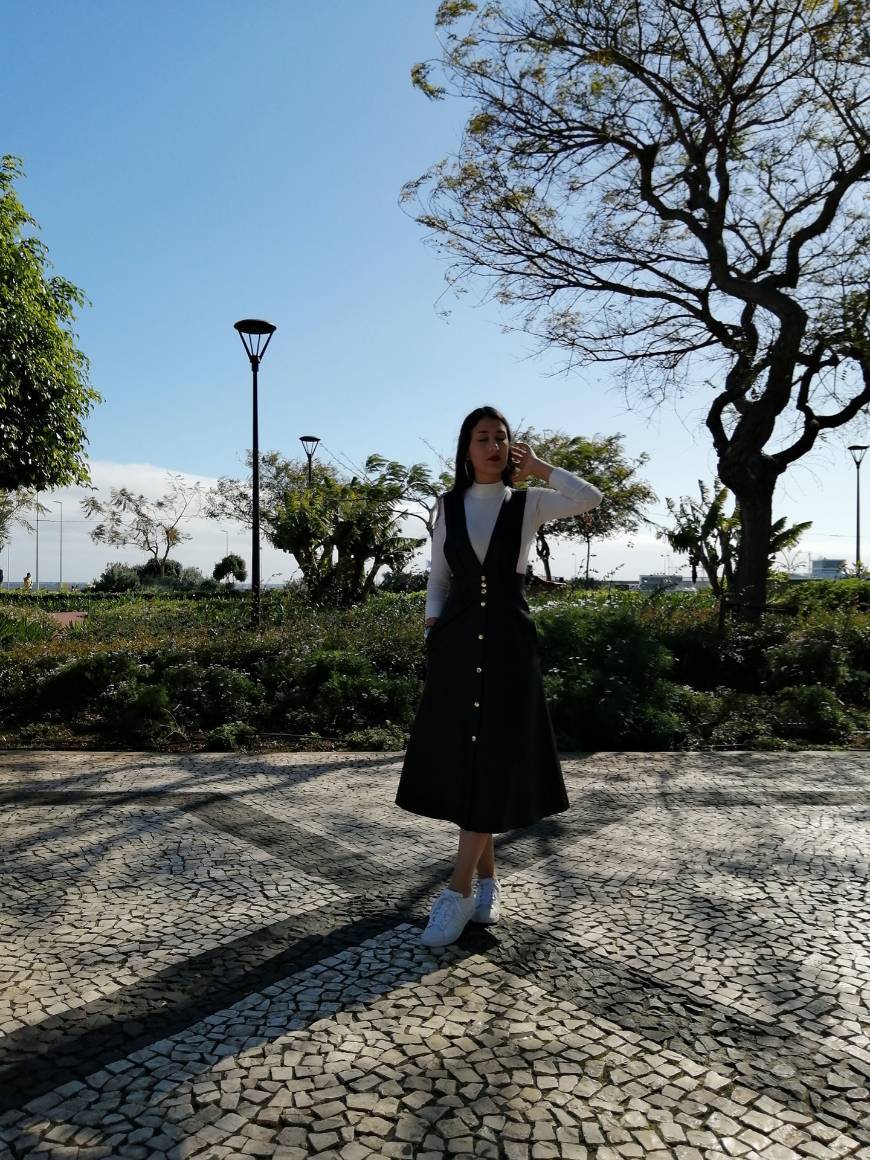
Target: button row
column 480, row 636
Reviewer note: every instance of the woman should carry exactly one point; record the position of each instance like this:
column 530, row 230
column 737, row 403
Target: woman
column 482, row 753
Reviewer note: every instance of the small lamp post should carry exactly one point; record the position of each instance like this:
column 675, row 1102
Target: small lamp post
column 309, row 442
column 60, row 579
column 255, row 335
column 37, row 541
column 858, row 451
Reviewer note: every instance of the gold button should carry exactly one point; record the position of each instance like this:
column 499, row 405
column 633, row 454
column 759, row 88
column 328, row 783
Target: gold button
column 473, row 738
column 483, row 604
column 480, row 636
column 477, row 704
column 479, row 669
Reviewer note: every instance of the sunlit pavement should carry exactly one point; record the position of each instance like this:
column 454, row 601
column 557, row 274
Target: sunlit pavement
column 218, row 956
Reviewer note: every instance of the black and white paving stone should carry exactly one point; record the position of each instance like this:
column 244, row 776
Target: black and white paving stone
column 218, row 956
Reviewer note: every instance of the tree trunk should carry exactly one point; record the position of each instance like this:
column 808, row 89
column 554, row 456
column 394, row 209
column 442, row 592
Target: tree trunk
column 544, row 553
column 750, row 578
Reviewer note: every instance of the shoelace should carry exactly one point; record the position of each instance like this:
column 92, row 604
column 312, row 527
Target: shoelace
column 486, row 892
column 444, row 908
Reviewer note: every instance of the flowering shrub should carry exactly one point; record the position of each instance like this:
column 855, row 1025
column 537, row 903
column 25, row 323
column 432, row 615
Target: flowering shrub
column 622, row 670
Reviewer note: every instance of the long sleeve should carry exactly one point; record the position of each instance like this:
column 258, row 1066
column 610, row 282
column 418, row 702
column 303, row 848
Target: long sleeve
column 438, row 584
column 572, row 496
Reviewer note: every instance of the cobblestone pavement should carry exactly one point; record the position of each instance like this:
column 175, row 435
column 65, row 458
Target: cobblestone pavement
column 218, row 956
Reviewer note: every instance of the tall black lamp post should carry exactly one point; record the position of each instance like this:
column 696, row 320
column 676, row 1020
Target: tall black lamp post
column 858, row 450
column 255, row 335
column 309, row 442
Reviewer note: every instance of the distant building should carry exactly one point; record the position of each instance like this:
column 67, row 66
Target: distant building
column 828, row 569
column 654, row 580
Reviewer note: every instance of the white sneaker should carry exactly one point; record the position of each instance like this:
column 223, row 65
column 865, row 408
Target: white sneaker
column 448, row 918
column 488, row 903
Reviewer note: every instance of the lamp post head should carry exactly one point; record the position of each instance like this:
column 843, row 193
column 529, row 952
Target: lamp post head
column 856, row 448
column 255, row 335
column 309, row 442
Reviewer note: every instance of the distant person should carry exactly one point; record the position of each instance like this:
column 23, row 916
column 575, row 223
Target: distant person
column 1, row 575
column 26, row 582
column 482, row 751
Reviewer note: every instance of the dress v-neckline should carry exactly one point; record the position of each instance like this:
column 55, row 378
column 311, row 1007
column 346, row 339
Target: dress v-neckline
column 482, row 563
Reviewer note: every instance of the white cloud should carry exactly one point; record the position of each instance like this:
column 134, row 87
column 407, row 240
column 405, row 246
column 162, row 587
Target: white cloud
column 84, row 560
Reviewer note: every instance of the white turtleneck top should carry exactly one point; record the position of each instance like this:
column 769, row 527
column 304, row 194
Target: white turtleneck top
column 572, row 497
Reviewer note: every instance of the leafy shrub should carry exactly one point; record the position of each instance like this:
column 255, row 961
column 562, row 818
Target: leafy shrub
column 118, row 577
column 745, row 721
column 212, row 696
column 688, row 628
column 190, row 578
column 605, row 678
column 386, row 739
column 24, row 627
column 338, row 692
column 744, row 649
column 403, row 582
column 231, row 736
column 150, row 571
column 827, row 595
column 76, row 685
column 812, row 713
column 813, row 656
column 138, row 711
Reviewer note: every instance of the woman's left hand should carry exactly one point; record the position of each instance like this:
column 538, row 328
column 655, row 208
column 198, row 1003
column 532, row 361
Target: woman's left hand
column 522, row 459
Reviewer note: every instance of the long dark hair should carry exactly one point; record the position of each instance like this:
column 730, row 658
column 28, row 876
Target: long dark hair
column 462, row 480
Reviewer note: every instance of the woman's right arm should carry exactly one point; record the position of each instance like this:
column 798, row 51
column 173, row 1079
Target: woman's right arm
column 438, row 584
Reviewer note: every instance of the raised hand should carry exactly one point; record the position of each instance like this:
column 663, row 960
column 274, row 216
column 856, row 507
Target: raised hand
column 522, row 458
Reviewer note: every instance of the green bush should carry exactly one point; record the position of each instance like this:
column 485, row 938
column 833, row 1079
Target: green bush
column 743, row 721
column 232, row 736
column 744, row 650
column 811, row 656
column 207, row 697
column 151, row 570
column 687, row 625
column 24, row 627
column 338, row 692
column 811, row 713
column 382, row 739
column 621, row 670
column 605, row 678
column 139, row 712
column 118, row 577
column 827, row 595
column 76, row 685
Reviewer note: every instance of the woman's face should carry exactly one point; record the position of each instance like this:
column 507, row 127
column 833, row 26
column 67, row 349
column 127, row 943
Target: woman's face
column 488, row 450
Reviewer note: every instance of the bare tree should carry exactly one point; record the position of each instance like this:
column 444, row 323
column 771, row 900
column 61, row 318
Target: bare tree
column 152, row 525
column 677, row 186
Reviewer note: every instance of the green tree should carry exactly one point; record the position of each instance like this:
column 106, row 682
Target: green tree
column 678, row 187
column 602, row 462
column 711, row 539
column 44, row 391
column 340, row 532
column 152, row 525
column 13, row 505
column 230, row 567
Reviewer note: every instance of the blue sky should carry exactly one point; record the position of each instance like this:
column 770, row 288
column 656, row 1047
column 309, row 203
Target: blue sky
column 191, row 164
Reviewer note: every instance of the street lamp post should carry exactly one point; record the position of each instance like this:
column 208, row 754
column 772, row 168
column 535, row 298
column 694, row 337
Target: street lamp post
column 858, row 451
column 309, row 442
column 37, row 541
column 60, row 579
column 255, row 335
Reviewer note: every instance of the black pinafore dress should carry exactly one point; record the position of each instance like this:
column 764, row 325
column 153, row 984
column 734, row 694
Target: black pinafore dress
column 482, row 752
